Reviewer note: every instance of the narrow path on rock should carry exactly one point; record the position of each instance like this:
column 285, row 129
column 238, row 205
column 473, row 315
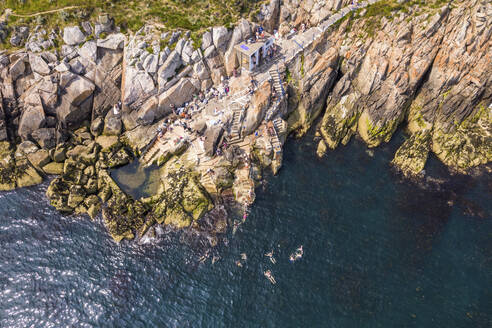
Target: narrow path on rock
column 11, row 13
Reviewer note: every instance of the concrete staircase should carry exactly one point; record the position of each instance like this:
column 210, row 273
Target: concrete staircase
column 279, row 90
column 277, row 146
column 151, row 154
column 277, row 82
column 279, row 125
column 207, row 183
column 237, row 119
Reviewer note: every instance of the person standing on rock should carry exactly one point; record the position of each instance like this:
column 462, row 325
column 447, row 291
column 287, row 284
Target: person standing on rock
column 116, row 110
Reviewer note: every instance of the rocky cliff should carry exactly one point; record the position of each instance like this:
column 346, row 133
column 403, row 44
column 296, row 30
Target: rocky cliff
column 427, row 68
column 361, row 71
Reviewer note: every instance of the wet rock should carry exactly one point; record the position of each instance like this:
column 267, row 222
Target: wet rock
column 60, row 154
column 39, row 158
column 76, row 196
column 410, row 158
column 107, row 143
column 53, row 168
column 112, row 124
column 97, row 126
column 29, row 177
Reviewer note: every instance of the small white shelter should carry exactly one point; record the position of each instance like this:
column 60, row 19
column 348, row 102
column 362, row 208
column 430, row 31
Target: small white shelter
column 249, row 55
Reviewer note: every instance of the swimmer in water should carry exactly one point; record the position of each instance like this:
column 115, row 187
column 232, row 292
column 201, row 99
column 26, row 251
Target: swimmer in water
column 215, row 259
column 297, row 254
column 239, row 264
column 270, row 255
column 243, row 256
column 204, row 257
column 235, row 226
column 269, row 276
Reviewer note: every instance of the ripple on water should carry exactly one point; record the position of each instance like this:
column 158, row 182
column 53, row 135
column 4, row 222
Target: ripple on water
column 379, row 251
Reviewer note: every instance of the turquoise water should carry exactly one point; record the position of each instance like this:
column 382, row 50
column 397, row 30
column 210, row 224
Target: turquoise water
column 379, row 251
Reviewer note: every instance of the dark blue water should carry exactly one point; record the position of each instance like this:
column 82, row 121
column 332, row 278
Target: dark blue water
column 379, row 252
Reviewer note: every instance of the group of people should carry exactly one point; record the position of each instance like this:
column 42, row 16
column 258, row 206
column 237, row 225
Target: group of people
column 293, row 257
column 259, row 34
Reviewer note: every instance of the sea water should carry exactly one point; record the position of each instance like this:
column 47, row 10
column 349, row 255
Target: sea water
column 379, row 251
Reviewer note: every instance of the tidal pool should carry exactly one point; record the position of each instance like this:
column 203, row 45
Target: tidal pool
column 137, row 180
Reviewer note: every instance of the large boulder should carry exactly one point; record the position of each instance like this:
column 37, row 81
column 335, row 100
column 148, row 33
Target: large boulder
column 177, row 95
column 32, row 119
column 29, row 177
column 200, row 71
column 180, row 45
column 43, row 92
column 187, row 53
column 89, row 50
column 269, row 15
column 113, row 41
column 39, row 158
column 79, row 89
column 112, row 124
column 97, row 126
column 45, row 137
column 53, row 168
column 27, row 147
column 168, row 69
column 38, row 65
column 107, row 91
column 107, row 143
column 138, row 86
column 206, row 40
column 17, row 69
column 72, row 35
column 220, row 37
column 76, row 103
column 150, row 63
column 212, row 138
column 146, row 113
column 258, row 108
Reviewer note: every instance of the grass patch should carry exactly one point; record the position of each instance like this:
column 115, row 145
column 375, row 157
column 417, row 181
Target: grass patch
column 130, row 15
column 388, row 9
